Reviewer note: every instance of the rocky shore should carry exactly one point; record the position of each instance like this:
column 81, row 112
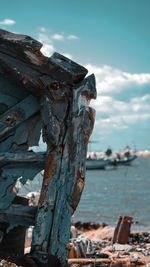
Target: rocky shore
column 94, row 241
column 135, row 253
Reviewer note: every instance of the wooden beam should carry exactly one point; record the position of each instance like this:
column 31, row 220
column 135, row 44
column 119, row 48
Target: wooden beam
column 25, row 157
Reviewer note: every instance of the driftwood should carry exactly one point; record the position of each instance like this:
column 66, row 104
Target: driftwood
column 108, row 262
column 51, row 94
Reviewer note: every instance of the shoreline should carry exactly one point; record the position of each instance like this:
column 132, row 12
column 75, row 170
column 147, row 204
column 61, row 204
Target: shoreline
column 142, row 154
column 102, row 252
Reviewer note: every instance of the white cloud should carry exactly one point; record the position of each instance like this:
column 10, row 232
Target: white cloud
column 140, row 104
column 47, row 50
column 112, row 113
column 72, row 37
column 114, row 80
column 108, row 124
column 109, row 105
column 142, row 99
column 120, row 122
column 108, row 108
column 7, row 22
column 134, row 118
column 48, row 47
column 48, row 43
column 58, row 37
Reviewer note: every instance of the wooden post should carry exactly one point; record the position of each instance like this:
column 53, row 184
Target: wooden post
column 122, row 230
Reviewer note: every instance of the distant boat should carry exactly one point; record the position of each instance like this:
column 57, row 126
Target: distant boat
column 122, row 160
column 96, row 164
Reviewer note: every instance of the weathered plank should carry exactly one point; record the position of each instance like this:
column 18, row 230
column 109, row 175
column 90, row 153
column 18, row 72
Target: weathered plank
column 25, row 157
column 7, row 100
column 16, row 115
column 64, row 70
column 11, row 88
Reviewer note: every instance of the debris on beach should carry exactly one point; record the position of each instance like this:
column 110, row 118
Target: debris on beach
column 104, row 252
column 95, row 246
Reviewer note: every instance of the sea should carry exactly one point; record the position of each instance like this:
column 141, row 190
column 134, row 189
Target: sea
column 123, row 190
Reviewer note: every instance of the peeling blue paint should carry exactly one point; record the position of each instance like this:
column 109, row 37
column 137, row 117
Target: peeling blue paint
column 49, row 94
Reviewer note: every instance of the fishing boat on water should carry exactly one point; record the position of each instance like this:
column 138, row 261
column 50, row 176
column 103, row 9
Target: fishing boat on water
column 122, row 160
column 109, row 159
column 95, row 164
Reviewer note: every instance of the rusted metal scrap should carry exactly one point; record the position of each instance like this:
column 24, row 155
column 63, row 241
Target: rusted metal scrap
column 51, row 94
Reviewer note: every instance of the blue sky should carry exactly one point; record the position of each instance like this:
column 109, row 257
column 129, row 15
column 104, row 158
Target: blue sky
column 109, row 37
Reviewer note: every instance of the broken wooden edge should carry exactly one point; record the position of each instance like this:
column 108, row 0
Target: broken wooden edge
column 21, row 59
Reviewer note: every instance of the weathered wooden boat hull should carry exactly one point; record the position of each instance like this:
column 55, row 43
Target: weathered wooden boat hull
column 49, row 94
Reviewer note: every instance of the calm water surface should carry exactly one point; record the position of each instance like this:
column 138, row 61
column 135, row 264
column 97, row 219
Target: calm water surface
column 121, row 191
column 124, row 190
